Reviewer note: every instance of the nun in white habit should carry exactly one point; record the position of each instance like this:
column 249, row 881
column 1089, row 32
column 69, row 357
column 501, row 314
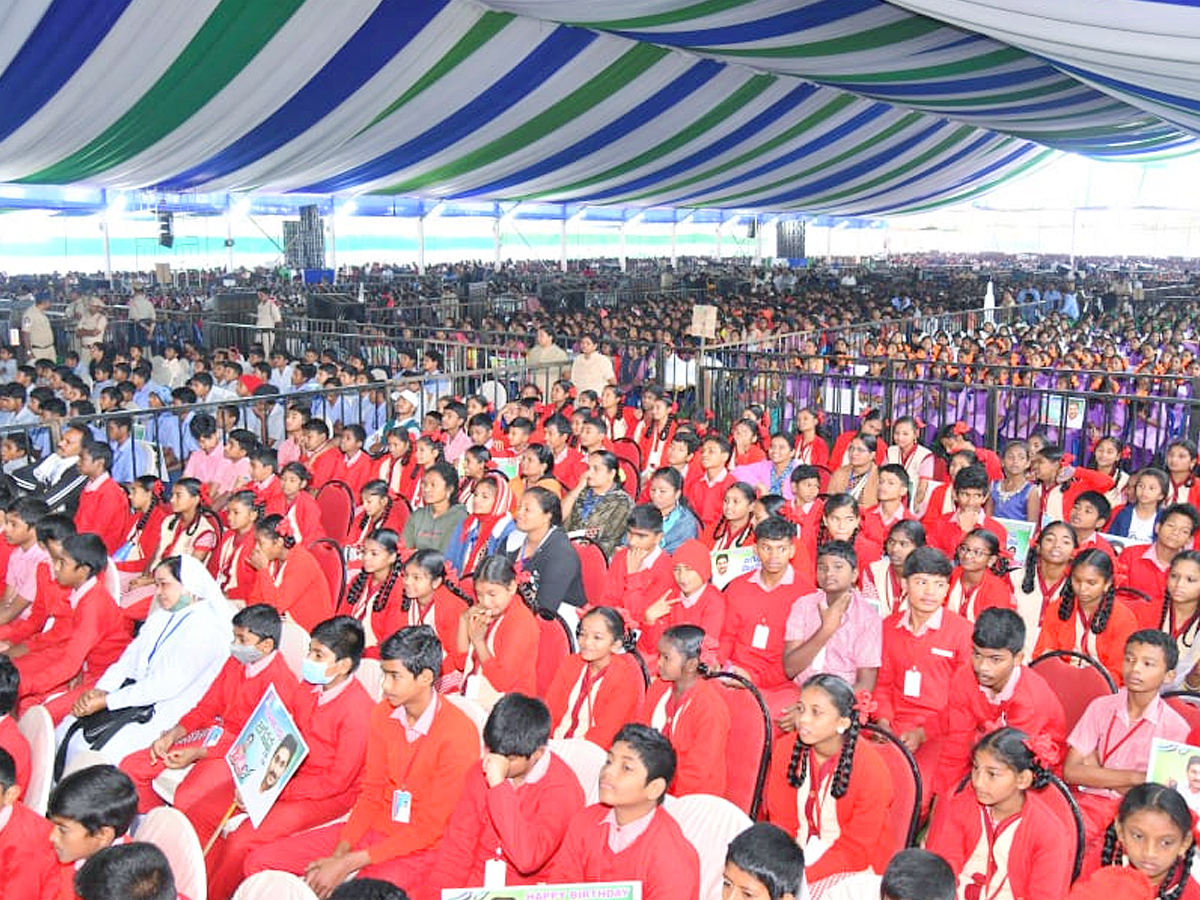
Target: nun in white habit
column 163, row 673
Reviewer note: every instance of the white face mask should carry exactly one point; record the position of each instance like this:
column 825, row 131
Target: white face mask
column 246, row 654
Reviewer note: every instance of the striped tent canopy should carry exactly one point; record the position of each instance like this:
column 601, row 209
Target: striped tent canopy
column 845, row 107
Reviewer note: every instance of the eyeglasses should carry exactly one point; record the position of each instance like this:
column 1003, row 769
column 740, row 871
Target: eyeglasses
column 973, row 553
column 853, row 449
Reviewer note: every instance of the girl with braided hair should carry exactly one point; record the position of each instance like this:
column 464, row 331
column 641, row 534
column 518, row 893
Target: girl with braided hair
column 289, row 577
column 979, row 578
column 1180, row 618
column 230, row 564
column 432, row 598
column 374, row 594
column 828, row 788
column 149, row 507
column 1038, row 585
column 1088, row 617
column 379, row 509
column 999, row 836
column 392, row 465
column 302, row 510
column 1152, row 837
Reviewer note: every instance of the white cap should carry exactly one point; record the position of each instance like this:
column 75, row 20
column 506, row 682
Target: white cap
column 409, row 396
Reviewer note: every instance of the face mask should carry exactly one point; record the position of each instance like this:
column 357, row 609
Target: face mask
column 314, row 673
column 185, row 600
column 246, row 654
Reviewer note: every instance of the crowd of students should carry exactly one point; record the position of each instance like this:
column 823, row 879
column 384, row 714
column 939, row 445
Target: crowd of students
column 880, row 588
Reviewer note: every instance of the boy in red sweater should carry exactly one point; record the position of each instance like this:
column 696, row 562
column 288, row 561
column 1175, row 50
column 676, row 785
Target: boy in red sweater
column 970, row 493
column 204, row 734
column 103, row 507
column 626, row 836
column 641, row 571
column 28, row 867
column 331, row 710
column 706, row 493
column 420, row 750
column 994, row 692
column 90, row 809
column 765, row 863
column 514, row 808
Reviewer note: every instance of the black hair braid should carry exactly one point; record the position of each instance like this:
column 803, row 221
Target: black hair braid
column 662, row 432
column 799, row 761
column 379, row 604
column 155, row 499
column 1179, row 873
column 355, row 591
column 1108, row 853
column 1100, row 620
column 1189, row 625
column 366, row 517
column 841, row 775
column 457, row 591
column 1066, row 601
column 1030, row 577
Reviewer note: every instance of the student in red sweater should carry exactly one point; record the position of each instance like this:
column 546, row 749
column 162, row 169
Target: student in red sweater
column 764, row 863
column 1145, row 568
column 1090, row 512
column 331, row 710
column 979, row 580
column 497, row 641
column 706, row 494
column 690, row 601
column 806, row 508
column 90, row 809
column 378, row 509
column 29, row 869
column 322, row 458
column 289, row 577
column 598, row 689
column 892, row 493
column 756, row 613
column 356, row 467
column 1061, row 483
column 641, row 570
column 627, row 836
column 994, row 691
column 264, row 481
column 923, row 646
column 149, row 509
column 947, row 531
column 11, row 738
column 49, row 597
column 1152, row 837
column 204, row 734
column 302, row 510
column 419, row 752
column 103, row 507
column 689, row 709
column 514, row 807
column 1088, row 617
column 841, row 520
column 429, row 598
column 87, row 638
column 830, row 790
column 954, row 440
column 998, row 833
column 230, row 562
column 133, row 871
column 735, row 525
column 376, row 594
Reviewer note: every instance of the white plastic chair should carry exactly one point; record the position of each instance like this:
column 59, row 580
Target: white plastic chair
column 495, row 392
column 85, row 759
column 274, row 886
column 167, row 782
column 709, row 823
column 293, row 644
column 171, row 832
column 586, row 760
column 38, row 728
column 370, row 675
column 474, row 711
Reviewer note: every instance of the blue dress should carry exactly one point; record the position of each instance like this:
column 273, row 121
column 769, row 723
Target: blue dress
column 1012, row 507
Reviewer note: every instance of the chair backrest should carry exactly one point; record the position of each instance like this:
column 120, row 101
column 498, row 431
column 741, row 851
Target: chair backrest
column 475, row 712
column 38, row 728
column 1187, row 704
column 709, row 823
column 293, row 644
column 628, row 450
column 401, row 510
column 328, row 555
column 632, row 478
column 1059, row 797
column 555, row 643
column 907, row 790
column 594, row 568
column 585, row 759
column 336, row 502
column 750, row 721
column 823, row 476
column 274, row 886
column 370, row 674
column 172, row 832
column 84, row 759
column 1077, row 679
column 495, row 392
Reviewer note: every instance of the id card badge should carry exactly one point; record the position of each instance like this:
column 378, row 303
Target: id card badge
column 912, row 683
column 761, row 634
column 494, row 871
column 214, row 735
column 401, row 807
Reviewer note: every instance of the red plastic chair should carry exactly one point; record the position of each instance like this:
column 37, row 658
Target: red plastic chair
column 823, row 474
column 907, row 789
column 336, row 502
column 329, row 557
column 628, row 450
column 1058, row 796
column 750, row 723
column 632, row 480
column 1187, row 704
column 595, row 568
column 1076, row 678
column 555, row 643
column 398, row 517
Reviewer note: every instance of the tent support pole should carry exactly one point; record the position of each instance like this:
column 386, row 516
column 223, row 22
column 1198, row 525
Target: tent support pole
column 420, row 245
column 562, row 263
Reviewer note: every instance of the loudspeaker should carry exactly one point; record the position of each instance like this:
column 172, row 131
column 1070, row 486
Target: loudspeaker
column 166, row 229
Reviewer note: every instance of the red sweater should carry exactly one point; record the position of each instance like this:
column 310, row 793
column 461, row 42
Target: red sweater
column 514, row 637
column 29, row 870
column 270, row 496
column 105, row 512
column 526, row 823
column 1056, row 502
column 305, row 517
column 946, row 534
column 147, row 537
column 1042, row 850
column 432, row 769
column 748, row 609
column 614, row 700
column 698, row 728
column 337, row 733
column 1033, row 707
column 1138, row 568
column 234, row 694
column 993, row 591
column 50, row 595
column 707, row 613
column 230, row 565
column 662, row 859
column 872, row 523
column 637, row 591
column 357, row 473
column 95, row 634
column 14, row 742
column 327, row 464
column 302, row 591
column 863, row 812
column 937, row 653
column 1108, row 646
column 707, row 499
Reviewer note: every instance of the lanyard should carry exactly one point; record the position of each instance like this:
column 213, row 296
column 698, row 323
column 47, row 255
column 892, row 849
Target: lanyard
column 591, row 680
column 1106, row 752
column 166, row 633
column 993, row 835
column 817, row 796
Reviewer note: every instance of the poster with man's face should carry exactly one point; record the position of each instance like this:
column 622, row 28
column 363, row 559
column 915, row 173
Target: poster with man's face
column 266, row 754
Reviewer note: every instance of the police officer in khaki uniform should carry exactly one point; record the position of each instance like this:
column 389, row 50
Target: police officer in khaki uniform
column 37, row 336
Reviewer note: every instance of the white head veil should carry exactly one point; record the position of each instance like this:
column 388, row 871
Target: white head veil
column 197, row 581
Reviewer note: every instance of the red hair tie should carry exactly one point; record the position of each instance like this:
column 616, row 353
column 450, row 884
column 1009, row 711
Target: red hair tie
column 1044, row 750
column 1093, row 444
column 284, row 528
column 523, row 576
column 709, row 415
column 960, row 428
column 205, row 497
column 1068, row 459
column 920, row 422
column 865, row 706
column 1126, row 453
column 820, row 417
